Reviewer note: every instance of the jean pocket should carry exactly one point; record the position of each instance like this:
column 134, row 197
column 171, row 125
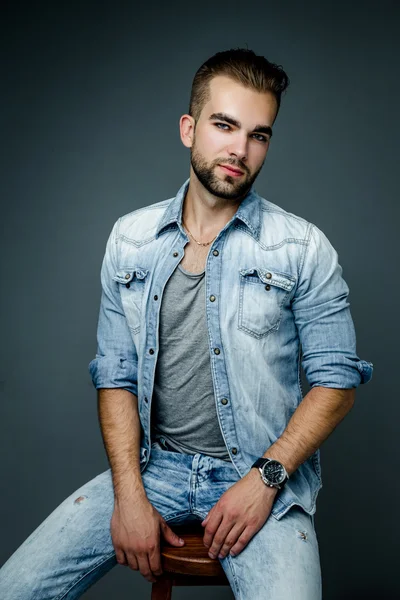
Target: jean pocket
column 132, row 282
column 262, row 294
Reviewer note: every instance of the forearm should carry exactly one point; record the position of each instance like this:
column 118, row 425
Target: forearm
column 317, row 415
column 120, row 428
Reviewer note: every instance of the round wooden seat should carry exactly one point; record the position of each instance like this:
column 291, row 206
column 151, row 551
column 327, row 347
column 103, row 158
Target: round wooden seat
column 187, row 565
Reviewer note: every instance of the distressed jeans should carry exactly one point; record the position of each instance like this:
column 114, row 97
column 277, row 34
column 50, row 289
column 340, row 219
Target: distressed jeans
column 72, row 548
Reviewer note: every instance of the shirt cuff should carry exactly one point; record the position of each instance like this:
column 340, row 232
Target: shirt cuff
column 343, row 374
column 365, row 367
column 114, row 372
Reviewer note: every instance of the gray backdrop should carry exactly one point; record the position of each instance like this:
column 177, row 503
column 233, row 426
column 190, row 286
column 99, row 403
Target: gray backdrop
column 91, row 98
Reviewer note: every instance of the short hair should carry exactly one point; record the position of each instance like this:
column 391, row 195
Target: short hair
column 241, row 65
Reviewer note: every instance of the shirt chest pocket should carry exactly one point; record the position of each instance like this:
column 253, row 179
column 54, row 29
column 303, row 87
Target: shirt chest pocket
column 262, row 295
column 132, row 282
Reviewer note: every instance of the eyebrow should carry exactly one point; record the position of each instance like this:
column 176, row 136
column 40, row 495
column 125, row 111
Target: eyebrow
column 261, row 128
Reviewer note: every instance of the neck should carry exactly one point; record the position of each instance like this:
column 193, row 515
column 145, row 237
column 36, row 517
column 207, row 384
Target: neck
column 204, row 213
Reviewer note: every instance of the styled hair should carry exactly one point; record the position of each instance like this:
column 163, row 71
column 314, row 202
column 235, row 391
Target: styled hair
column 241, row 65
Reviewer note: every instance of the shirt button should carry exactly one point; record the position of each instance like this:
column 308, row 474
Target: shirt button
column 268, row 275
column 224, row 401
column 127, row 276
column 128, row 285
column 215, row 252
column 234, row 450
column 151, row 351
column 217, row 350
column 267, row 287
column 212, row 298
column 156, row 297
column 175, row 254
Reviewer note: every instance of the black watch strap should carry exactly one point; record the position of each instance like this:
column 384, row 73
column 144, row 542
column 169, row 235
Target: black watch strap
column 260, row 462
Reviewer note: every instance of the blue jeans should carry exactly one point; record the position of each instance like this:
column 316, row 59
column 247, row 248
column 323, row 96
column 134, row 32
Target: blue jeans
column 72, row 548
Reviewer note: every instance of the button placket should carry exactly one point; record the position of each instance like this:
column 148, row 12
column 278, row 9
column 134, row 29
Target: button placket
column 220, row 378
column 149, row 367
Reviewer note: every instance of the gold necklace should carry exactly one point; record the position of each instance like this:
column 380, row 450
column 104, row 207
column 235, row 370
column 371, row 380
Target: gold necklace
column 191, row 235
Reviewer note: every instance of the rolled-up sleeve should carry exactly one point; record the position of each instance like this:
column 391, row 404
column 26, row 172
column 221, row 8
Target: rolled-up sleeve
column 322, row 315
column 115, row 364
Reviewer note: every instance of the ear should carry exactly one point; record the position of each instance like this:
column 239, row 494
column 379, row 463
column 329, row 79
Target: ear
column 186, row 128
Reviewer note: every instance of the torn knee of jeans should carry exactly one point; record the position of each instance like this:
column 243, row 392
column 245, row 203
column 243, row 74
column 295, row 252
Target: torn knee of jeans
column 80, row 499
column 302, row 535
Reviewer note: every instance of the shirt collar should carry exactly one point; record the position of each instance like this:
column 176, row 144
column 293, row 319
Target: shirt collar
column 249, row 211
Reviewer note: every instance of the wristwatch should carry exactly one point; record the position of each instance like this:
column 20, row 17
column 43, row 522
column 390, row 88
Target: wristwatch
column 272, row 472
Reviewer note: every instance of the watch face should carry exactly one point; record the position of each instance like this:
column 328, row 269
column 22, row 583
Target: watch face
column 274, row 472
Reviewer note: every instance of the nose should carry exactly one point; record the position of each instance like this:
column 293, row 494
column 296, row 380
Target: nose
column 238, row 147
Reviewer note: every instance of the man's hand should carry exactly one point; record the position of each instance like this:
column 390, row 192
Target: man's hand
column 136, row 529
column 237, row 516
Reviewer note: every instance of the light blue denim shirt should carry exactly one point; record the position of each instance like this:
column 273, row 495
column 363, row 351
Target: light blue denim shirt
column 275, row 299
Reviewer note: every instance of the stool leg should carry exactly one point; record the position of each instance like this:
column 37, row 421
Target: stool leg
column 162, row 588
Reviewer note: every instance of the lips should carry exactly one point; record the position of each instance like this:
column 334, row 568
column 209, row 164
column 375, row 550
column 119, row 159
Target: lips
column 232, row 169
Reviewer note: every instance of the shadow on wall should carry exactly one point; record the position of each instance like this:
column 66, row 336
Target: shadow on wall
column 369, row 595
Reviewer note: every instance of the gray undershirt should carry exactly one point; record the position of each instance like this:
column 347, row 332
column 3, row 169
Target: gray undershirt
column 183, row 403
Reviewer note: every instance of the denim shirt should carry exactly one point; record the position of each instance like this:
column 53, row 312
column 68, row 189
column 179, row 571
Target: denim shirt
column 275, row 299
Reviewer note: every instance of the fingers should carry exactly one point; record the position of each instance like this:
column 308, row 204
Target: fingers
column 170, row 536
column 155, row 562
column 220, row 538
column 230, row 537
column 212, row 525
column 139, row 561
column 148, row 562
column 215, row 534
column 231, row 541
column 243, row 540
column 144, row 567
column 121, row 558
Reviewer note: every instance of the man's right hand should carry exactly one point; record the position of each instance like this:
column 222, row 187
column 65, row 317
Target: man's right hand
column 135, row 533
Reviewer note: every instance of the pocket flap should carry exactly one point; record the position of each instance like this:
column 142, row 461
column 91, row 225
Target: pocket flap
column 126, row 274
column 271, row 276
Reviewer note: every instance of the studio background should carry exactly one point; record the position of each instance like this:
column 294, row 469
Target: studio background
column 91, row 96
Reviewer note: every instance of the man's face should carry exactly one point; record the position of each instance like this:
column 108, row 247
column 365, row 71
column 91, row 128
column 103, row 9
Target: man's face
column 234, row 130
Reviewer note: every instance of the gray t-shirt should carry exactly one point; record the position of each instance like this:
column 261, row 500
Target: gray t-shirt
column 183, row 403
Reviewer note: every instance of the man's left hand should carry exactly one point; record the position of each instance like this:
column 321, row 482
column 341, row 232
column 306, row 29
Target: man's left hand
column 237, row 516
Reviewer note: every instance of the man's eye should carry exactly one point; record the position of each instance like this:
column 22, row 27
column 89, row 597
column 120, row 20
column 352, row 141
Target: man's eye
column 261, row 138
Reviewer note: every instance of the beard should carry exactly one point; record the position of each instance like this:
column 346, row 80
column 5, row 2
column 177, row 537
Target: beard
column 230, row 188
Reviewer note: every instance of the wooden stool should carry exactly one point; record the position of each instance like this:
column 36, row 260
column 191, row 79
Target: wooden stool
column 188, row 565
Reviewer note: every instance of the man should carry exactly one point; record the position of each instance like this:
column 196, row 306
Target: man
column 210, row 302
